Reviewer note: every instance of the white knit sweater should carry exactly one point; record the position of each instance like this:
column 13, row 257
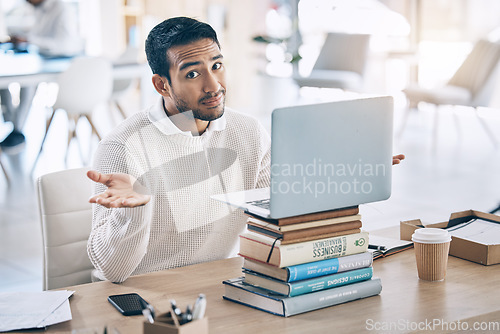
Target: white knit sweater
column 181, row 224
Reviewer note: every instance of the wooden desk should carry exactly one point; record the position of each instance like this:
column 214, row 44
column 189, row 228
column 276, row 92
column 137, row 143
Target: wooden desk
column 470, row 290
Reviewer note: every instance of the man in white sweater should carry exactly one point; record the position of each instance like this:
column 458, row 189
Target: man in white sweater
column 182, row 150
column 156, row 171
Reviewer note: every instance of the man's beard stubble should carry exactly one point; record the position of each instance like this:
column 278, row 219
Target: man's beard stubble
column 183, row 107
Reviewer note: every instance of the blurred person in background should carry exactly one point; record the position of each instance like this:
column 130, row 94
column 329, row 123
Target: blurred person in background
column 54, row 33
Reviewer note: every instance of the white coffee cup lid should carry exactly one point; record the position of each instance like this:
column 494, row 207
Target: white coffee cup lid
column 431, row 236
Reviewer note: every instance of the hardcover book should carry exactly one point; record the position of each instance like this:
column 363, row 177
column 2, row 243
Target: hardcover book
column 301, row 235
column 349, row 211
column 262, row 248
column 303, row 225
column 297, row 288
column 311, row 269
column 239, row 292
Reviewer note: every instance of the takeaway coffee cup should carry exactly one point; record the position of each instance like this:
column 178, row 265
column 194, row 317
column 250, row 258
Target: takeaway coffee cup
column 431, row 251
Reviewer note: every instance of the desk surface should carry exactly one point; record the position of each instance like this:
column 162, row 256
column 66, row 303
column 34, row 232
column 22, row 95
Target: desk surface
column 470, row 291
column 31, row 68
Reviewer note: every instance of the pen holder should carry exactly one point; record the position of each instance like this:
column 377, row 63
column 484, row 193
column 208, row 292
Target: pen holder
column 166, row 324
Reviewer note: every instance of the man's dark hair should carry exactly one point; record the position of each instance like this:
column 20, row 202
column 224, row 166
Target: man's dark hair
column 173, row 32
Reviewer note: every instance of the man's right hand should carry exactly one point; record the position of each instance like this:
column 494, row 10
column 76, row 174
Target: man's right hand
column 120, row 192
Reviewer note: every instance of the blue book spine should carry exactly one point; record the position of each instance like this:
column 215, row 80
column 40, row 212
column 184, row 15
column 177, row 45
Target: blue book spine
column 330, row 281
column 329, row 266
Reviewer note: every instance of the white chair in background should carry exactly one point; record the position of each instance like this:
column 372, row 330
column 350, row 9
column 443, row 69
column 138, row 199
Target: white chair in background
column 472, row 85
column 66, row 219
column 340, row 64
column 4, row 170
column 86, row 84
column 122, row 86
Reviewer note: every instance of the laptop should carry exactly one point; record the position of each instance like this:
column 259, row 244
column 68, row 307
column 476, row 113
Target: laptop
column 323, row 157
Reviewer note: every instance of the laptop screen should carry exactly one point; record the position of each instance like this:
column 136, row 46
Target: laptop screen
column 330, row 155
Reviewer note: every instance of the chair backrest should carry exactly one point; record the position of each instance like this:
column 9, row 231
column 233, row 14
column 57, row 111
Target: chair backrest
column 66, row 218
column 129, row 56
column 478, row 69
column 86, row 83
column 344, row 52
column 3, row 169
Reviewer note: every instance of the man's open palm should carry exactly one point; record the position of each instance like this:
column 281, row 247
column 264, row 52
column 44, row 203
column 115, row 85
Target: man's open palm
column 120, row 192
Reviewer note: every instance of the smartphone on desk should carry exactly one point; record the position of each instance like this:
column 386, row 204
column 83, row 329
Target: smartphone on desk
column 127, row 304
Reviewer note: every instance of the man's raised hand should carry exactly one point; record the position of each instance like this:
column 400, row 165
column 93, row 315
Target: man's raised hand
column 396, row 159
column 120, row 192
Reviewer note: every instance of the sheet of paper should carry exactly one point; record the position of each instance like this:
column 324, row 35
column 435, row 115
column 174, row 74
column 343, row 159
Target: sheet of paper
column 60, row 314
column 480, row 231
column 23, row 310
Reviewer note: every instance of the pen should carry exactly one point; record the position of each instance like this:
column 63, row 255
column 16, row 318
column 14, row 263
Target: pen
column 177, row 311
column 199, row 307
column 187, row 316
column 376, row 247
column 148, row 311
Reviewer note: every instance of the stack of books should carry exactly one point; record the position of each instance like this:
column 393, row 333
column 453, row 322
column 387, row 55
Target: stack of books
column 299, row 264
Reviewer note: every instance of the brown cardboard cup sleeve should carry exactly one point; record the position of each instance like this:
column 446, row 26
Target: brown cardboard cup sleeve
column 431, row 253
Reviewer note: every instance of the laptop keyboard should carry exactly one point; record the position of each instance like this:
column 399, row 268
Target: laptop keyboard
column 262, row 203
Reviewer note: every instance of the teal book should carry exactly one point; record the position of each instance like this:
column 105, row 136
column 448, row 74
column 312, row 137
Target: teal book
column 311, row 269
column 297, row 288
column 237, row 291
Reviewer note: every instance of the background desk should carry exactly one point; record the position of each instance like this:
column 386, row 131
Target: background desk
column 26, row 68
column 30, row 69
column 470, row 290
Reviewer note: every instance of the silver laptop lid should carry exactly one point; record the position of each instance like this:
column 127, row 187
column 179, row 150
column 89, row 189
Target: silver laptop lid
column 330, row 155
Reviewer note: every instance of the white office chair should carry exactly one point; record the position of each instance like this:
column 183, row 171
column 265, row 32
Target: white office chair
column 340, row 64
column 86, row 84
column 66, row 219
column 472, row 85
column 122, row 86
column 4, row 170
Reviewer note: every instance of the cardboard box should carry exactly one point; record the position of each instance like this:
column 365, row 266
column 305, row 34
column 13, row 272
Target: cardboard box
column 165, row 324
column 462, row 248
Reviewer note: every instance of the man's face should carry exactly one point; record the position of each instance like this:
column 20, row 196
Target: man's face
column 197, row 79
